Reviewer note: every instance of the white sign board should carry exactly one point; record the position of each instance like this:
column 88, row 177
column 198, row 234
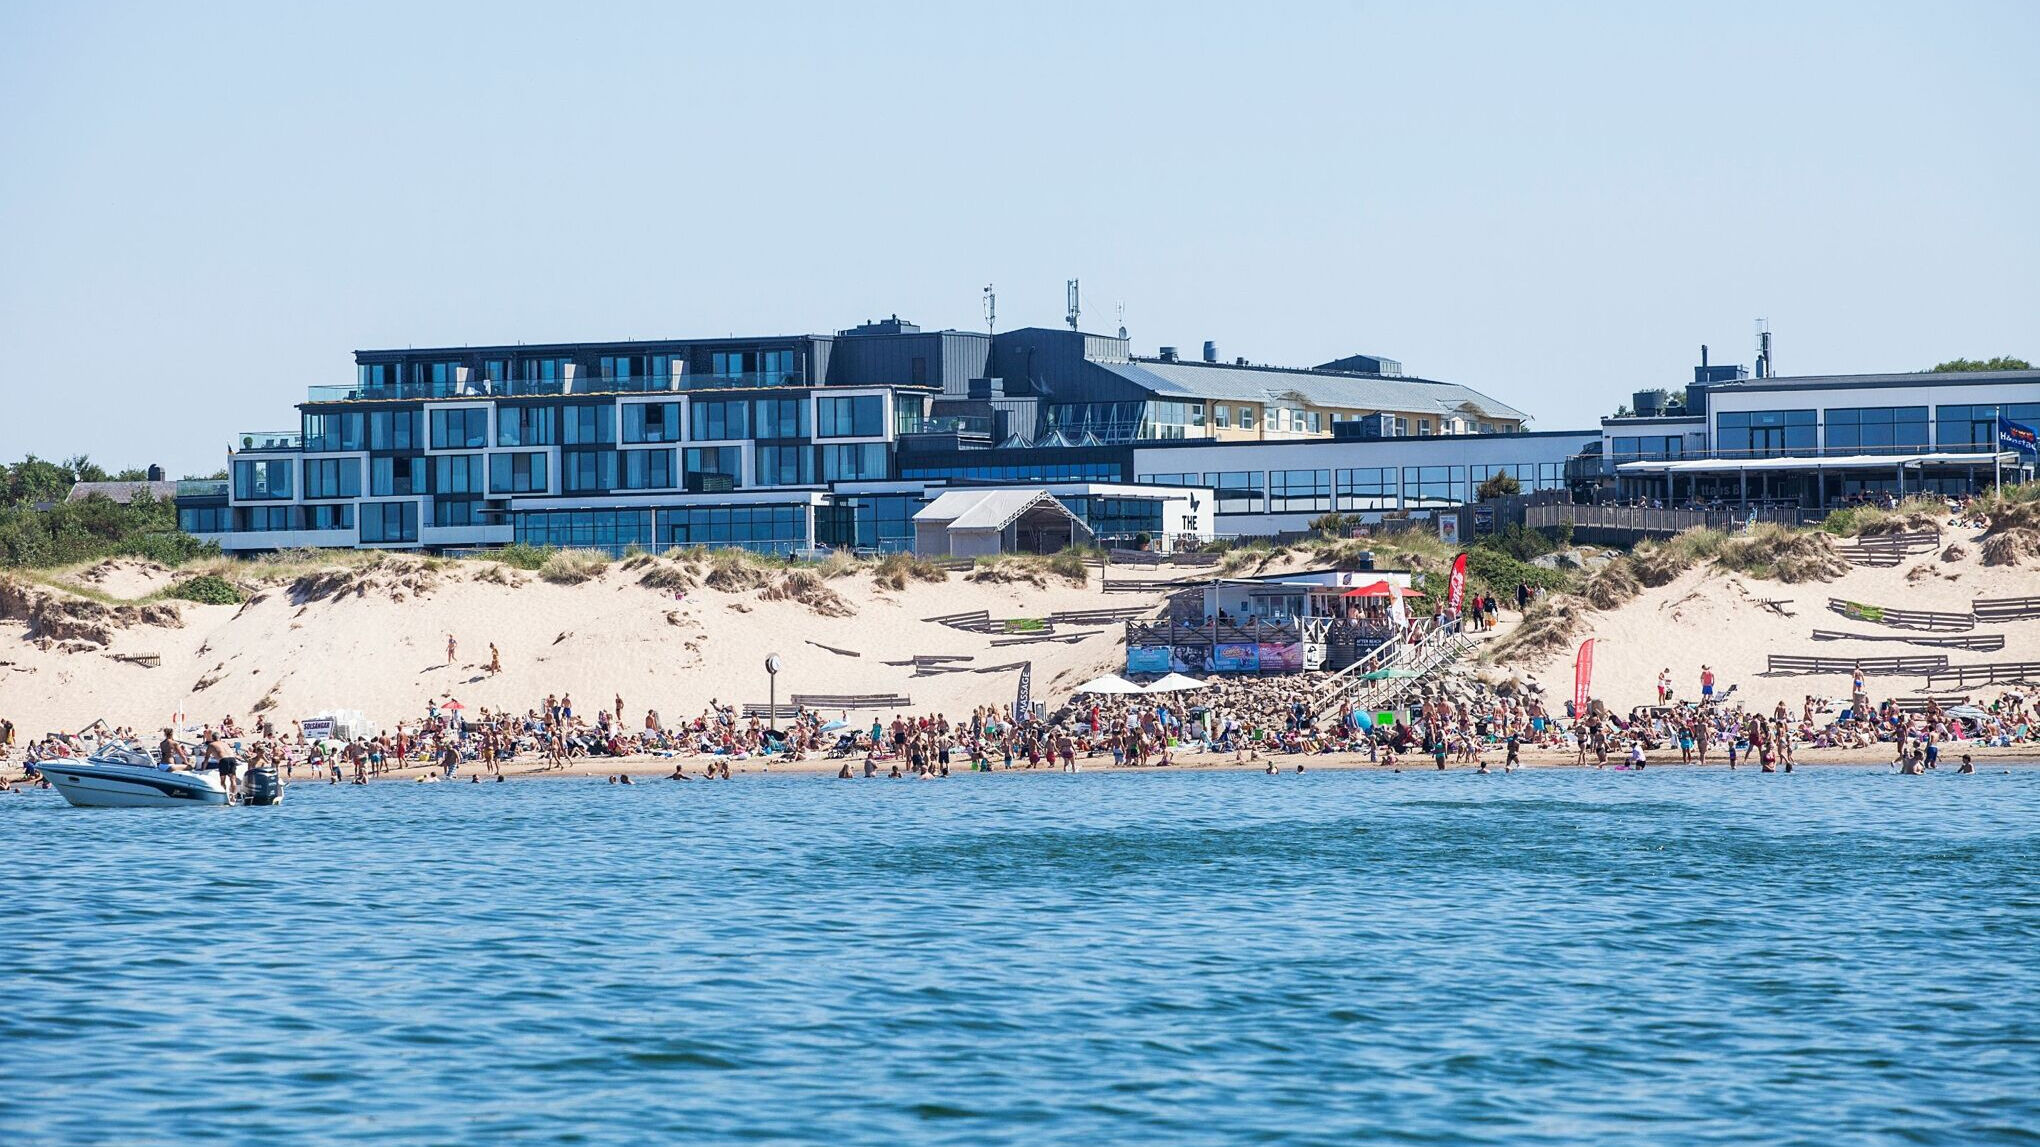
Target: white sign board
column 317, row 728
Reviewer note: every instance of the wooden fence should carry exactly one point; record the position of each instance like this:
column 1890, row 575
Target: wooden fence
column 1903, row 618
column 1974, row 642
column 1970, row 676
column 1919, row 666
column 2005, row 608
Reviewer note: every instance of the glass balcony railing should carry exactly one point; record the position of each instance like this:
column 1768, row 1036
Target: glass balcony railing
column 202, row 488
column 518, row 387
column 248, row 440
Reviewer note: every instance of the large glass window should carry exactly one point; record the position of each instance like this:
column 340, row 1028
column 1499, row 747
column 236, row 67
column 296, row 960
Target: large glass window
column 651, row 422
column 765, row 529
column 203, row 519
column 864, row 462
column 266, row 478
column 1239, row 491
column 1973, row 429
column 332, row 477
column 1367, row 488
column 517, row 474
column 1432, row 487
column 389, row 522
column 1765, row 433
column 1294, row 491
column 1170, row 479
column 720, row 419
column 587, row 471
column 1027, row 472
column 527, row 426
column 883, row 522
column 583, row 529
column 395, row 477
column 457, row 474
column 587, row 425
column 543, row 376
column 861, row 416
column 1876, row 429
column 267, row 519
column 781, row 418
column 456, row 511
column 460, row 429
column 332, row 432
column 1118, row 519
column 648, row 469
column 714, row 467
column 396, row 430
column 1646, row 447
column 786, row 466
column 762, row 368
column 339, row 516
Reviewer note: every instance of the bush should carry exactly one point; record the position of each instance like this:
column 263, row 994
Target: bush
column 524, row 556
column 1518, row 542
column 1503, row 485
column 895, row 570
column 572, row 567
column 1073, row 564
column 206, row 589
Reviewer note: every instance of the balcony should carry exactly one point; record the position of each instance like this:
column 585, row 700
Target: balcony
column 268, row 440
column 202, row 488
column 520, row 387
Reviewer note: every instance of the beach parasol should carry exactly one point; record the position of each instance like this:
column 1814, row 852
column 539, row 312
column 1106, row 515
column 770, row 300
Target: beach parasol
column 1175, row 683
column 453, row 705
column 1108, row 684
column 835, row 725
column 1382, row 589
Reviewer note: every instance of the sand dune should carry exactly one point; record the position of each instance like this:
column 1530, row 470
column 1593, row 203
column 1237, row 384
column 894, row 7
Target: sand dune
column 1707, row 616
column 379, row 646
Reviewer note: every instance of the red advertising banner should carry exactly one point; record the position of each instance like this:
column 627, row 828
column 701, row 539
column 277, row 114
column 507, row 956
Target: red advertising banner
column 1456, row 589
column 1583, row 677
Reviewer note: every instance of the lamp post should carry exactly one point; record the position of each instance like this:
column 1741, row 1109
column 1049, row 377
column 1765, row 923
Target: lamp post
column 772, row 690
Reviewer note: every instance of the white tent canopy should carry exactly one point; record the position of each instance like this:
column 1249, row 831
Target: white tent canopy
column 1175, row 683
column 1109, row 683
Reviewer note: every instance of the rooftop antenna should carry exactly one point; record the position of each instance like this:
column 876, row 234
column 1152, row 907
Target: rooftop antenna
column 1765, row 368
column 991, row 310
column 1075, row 310
column 1122, row 320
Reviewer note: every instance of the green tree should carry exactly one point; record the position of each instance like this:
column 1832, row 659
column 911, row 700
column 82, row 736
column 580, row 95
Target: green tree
column 1961, row 365
column 1502, row 485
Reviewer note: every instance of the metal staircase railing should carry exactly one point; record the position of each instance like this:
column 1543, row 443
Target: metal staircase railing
column 1443, row 645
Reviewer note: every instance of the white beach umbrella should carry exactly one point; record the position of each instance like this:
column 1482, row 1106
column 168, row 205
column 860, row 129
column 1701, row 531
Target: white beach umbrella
column 1108, row 684
column 1175, row 683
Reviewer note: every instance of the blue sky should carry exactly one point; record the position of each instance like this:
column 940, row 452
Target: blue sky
column 206, row 207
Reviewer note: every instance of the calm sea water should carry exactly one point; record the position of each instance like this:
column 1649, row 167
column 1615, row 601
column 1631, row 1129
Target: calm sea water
column 1830, row 957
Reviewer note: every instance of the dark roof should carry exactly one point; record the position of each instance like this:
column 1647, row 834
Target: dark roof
column 1318, row 388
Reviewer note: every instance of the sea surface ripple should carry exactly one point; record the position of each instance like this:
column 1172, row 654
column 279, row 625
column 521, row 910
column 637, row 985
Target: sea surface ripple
column 1835, row 956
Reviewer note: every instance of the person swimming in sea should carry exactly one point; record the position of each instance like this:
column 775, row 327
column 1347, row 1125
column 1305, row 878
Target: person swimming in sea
column 1968, row 766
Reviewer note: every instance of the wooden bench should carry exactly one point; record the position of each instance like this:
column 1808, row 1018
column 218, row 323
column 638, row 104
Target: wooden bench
column 1871, row 666
column 765, row 712
column 1193, row 559
column 1970, row 676
column 1975, row 642
column 1145, row 558
column 852, row 701
column 1903, row 618
column 2005, row 608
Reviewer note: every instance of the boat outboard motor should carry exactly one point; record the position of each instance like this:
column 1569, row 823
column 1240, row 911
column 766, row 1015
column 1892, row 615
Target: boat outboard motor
column 262, row 786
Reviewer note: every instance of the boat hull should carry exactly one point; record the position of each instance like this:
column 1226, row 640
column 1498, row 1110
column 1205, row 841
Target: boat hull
column 91, row 785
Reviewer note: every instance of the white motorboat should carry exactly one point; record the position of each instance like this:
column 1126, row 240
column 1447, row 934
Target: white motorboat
column 120, row 777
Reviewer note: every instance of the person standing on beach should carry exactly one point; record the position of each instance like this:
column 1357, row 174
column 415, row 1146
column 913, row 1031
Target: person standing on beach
column 1706, row 684
column 452, row 647
column 495, row 660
